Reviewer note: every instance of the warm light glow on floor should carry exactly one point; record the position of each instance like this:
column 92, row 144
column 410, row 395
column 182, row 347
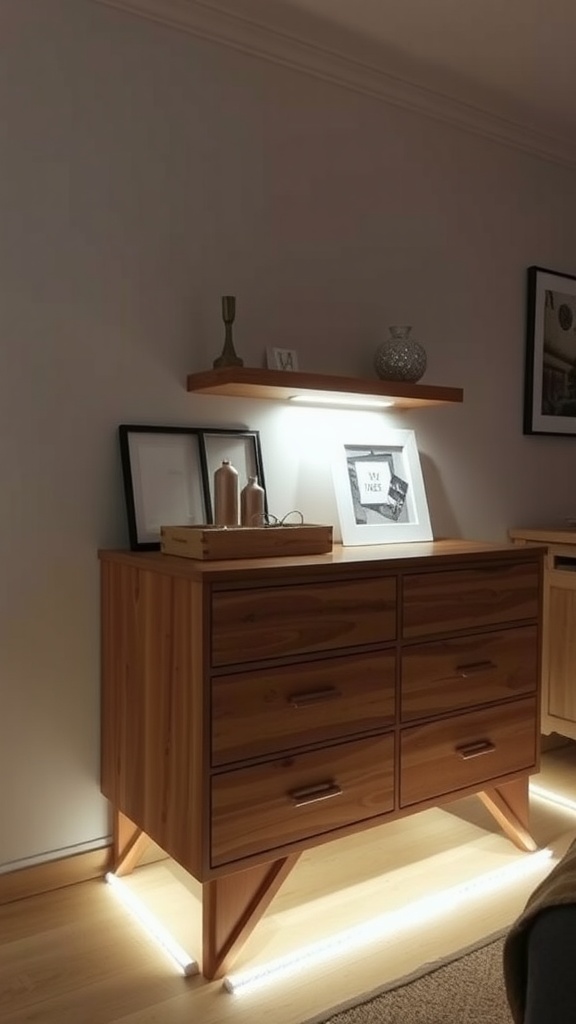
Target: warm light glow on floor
column 551, row 797
column 152, row 926
column 429, row 908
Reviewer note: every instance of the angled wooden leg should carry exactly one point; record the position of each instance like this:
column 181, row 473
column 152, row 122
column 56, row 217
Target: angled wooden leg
column 129, row 843
column 509, row 805
column 232, row 907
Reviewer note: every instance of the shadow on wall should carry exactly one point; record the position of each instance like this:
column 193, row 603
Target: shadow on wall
column 442, row 517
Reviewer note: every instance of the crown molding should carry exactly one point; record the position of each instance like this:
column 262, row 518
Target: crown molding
column 281, row 46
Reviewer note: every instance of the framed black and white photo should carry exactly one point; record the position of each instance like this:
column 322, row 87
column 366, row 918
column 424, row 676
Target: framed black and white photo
column 380, row 492
column 241, row 448
column 550, row 375
column 164, row 473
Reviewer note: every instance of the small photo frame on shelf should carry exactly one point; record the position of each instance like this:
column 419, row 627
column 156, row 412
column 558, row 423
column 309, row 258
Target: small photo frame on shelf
column 164, row 473
column 380, row 494
column 550, row 374
column 281, row 359
column 241, row 448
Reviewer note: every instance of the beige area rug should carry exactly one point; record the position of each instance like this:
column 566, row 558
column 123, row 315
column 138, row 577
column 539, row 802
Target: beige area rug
column 467, row 990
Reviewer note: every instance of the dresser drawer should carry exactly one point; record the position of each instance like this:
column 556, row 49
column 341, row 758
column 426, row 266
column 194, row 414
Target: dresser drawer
column 457, row 599
column 270, row 710
column 273, row 622
column 447, row 675
column 442, row 757
column 260, row 808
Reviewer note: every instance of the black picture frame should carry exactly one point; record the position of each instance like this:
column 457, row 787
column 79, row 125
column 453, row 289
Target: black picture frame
column 164, row 476
column 550, row 370
column 168, row 474
column 242, row 448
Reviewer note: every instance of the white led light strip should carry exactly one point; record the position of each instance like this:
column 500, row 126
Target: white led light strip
column 336, row 399
column 156, row 931
column 552, row 798
column 412, row 914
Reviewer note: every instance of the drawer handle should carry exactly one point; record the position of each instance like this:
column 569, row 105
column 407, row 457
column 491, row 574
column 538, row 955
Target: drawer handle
column 303, row 700
column 469, row 750
column 474, row 667
column 311, row 794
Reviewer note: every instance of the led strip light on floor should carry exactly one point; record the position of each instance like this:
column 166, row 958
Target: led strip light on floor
column 410, row 915
column 156, row 931
column 552, row 798
column 390, row 923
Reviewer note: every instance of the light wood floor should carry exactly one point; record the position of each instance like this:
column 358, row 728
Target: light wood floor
column 76, row 956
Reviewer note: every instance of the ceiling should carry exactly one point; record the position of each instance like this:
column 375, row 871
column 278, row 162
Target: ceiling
column 512, row 61
column 512, row 55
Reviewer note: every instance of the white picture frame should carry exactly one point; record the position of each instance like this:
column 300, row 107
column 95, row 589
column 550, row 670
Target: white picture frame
column 379, row 489
column 282, row 359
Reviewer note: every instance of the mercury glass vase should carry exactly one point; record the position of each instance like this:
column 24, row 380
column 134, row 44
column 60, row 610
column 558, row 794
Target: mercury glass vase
column 400, row 357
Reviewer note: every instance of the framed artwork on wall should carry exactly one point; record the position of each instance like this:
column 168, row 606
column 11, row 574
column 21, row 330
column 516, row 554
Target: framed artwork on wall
column 380, row 492
column 550, row 372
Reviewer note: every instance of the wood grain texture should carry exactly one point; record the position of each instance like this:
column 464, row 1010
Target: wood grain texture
column 456, row 673
column 231, row 908
column 354, row 562
column 54, row 874
column 562, row 651
column 248, row 382
column 255, row 809
column 251, row 710
column 439, row 602
column 152, row 708
column 508, row 804
column 213, row 542
column 433, row 756
column 269, row 710
column 558, row 668
column 250, row 625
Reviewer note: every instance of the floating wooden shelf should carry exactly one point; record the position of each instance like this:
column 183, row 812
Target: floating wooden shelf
column 249, row 382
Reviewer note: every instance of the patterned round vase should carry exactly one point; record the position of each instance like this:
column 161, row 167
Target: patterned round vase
column 401, row 357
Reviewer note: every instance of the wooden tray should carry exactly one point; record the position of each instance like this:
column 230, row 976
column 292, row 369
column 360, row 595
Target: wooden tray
column 213, row 542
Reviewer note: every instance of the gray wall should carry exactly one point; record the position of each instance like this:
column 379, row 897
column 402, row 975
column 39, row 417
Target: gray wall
column 146, row 173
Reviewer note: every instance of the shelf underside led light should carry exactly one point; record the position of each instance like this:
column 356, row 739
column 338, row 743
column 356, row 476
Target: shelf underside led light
column 345, row 401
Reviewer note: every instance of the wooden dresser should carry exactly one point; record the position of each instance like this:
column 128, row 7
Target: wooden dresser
column 252, row 709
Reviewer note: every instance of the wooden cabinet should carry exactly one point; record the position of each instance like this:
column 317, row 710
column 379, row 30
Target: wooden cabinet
column 559, row 628
column 252, row 709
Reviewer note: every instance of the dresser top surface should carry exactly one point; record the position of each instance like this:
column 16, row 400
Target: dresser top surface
column 541, row 535
column 350, row 560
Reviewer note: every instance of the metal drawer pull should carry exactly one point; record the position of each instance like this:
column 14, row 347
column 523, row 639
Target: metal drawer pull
column 302, row 700
column 475, row 749
column 311, row 794
column 475, row 666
